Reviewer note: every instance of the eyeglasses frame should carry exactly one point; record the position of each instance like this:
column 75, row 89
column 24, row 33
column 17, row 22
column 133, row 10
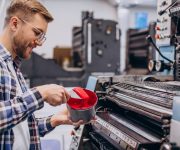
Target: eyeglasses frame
column 42, row 37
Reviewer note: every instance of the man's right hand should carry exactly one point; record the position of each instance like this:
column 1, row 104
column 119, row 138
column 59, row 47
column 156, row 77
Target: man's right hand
column 53, row 94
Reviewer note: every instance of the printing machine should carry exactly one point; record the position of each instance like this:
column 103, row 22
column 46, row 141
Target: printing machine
column 133, row 112
column 136, row 112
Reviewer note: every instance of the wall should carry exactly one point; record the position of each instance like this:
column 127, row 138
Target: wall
column 67, row 13
column 151, row 11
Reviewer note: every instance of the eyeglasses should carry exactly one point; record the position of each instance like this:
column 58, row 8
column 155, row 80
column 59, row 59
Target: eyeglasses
column 41, row 36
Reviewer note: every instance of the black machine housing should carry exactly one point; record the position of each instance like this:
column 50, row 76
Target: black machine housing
column 133, row 113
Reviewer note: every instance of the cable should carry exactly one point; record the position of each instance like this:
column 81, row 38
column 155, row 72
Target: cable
column 149, row 38
column 163, row 11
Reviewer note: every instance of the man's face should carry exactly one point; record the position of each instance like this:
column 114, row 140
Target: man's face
column 29, row 35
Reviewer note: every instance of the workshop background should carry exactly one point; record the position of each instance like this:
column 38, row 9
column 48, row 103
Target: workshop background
column 110, row 39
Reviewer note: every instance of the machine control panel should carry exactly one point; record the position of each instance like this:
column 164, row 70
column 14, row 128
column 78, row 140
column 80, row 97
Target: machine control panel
column 164, row 30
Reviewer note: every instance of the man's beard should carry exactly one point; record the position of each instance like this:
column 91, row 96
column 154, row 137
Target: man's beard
column 20, row 47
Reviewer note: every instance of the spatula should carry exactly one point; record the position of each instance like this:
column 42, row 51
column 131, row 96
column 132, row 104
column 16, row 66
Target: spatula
column 81, row 93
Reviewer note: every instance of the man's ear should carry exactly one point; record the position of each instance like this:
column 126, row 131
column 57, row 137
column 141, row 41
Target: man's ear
column 14, row 23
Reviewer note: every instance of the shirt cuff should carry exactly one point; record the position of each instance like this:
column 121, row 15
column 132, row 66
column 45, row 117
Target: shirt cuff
column 48, row 124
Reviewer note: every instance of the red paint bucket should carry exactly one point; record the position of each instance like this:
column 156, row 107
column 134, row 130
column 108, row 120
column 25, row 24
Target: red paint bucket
column 82, row 108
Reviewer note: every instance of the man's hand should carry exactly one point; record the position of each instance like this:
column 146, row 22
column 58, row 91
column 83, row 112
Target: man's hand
column 63, row 118
column 53, row 94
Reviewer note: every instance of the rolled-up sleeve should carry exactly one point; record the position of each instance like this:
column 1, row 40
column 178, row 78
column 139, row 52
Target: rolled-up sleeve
column 44, row 125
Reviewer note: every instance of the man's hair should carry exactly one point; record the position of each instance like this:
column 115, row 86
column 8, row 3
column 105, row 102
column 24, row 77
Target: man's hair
column 25, row 9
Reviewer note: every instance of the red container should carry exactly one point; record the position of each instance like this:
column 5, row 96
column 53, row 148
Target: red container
column 84, row 108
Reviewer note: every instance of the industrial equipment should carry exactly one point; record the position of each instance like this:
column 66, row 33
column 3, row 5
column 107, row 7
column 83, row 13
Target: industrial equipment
column 140, row 112
column 139, row 51
column 167, row 31
column 133, row 112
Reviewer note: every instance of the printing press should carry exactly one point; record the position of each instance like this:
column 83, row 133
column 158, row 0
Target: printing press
column 133, row 112
column 140, row 112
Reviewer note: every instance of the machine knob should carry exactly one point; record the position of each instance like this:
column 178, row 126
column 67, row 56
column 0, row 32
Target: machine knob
column 151, row 65
column 161, row 66
column 109, row 30
column 158, row 20
column 158, row 37
column 158, row 28
column 164, row 3
column 99, row 52
column 166, row 146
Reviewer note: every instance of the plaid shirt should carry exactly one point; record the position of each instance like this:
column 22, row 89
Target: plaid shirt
column 14, row 109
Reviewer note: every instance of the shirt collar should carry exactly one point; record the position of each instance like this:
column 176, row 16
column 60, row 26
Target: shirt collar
column 6, row 55
column 17, row 61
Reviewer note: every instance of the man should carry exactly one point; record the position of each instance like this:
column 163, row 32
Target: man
column 25, row 26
